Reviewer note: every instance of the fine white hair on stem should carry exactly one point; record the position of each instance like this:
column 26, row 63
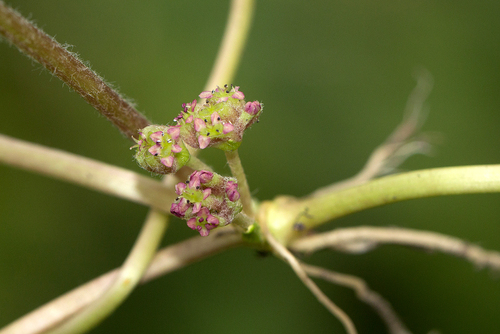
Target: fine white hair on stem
column 364, row 293
column 401, row 144
column 364, row 238
column 322, row 298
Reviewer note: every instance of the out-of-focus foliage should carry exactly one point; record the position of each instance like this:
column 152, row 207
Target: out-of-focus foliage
column 334, row 77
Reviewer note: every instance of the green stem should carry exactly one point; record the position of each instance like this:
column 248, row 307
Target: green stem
column 243, row 221
column 130, row 274
column 85, row 172
column 236, row 167
column 64, row 64
column 233, row 42
column 197, row 164
column 285, row 212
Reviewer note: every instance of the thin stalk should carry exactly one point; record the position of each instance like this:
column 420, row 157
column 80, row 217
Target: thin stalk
column 233, row 43
column 85, row 172
column 243, row 221
column 197, row 164
column 285, row 212
column 66, row 66
column 129, row 276
column 236, row 167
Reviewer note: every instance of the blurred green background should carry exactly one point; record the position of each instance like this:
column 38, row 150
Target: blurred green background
column 334, row 77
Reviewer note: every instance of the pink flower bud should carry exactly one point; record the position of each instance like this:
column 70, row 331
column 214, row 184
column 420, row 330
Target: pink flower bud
column 180, row 187
column 215, row 118
column 206, row 193
column 174, row 131
column 253, row 107
column 168, row 161
column 156, row 136
column 228, row 127
column 199, row 124
column 203, row 141
column 205, row 95
column 176, row 148
column 232, row 191
column 155, row 149
column 205, row 176
column 238, row 95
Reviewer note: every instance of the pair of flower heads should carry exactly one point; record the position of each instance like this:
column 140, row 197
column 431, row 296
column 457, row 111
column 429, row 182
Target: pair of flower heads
column 206, row 200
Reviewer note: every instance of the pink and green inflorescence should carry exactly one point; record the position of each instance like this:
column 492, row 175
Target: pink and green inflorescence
column 220, row 121
column 160, row 149
column 207, row 200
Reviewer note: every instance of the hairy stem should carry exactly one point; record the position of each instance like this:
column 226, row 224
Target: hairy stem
column 197, row 164
column 233, row 42
column 236, row 167
column 243, row 221
column 128, row 277
column 285, row 212
column 66, row 66
column 85, row 172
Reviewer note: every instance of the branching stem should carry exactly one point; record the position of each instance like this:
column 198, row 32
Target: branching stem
column 309, row 212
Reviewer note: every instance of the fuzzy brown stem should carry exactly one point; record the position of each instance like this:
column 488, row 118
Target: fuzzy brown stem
column 67, row 67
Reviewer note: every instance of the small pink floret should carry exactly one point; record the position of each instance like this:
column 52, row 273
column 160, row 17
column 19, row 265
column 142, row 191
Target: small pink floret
column 179, row 188
column 206, row 193
column 168, row 161
column 174, row 132
column 191, row 223
column 228, row 127
column 205, row 95
column 253, row 107
column 238, row 95
column 205, row 176
column 215, row 118
column 196, row 208
column 199, row 124
column 156, row 136
column 203, row 231
column 203, row 141
column 176, row 148
column 155, row 149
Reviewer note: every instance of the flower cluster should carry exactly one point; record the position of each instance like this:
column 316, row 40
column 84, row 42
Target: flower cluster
column 220, row 121
column 160, row 150
column 207, row 200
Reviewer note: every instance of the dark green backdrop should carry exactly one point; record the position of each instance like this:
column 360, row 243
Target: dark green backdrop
column 334, row 77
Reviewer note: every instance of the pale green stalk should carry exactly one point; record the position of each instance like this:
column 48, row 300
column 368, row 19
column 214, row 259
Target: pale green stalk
column 233, row 43
column 85, row 172
column 236, row 167
column 129, row 276
column 285, row 213
column 197, row 164
column 243, row 221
